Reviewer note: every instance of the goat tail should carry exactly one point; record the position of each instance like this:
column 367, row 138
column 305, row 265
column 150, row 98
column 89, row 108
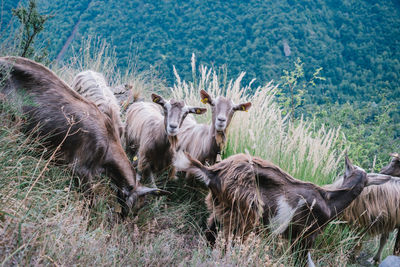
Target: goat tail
column 185, row 162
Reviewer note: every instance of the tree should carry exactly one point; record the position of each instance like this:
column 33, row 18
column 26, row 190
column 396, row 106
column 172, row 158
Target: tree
column 32, row 23
column 297, row 85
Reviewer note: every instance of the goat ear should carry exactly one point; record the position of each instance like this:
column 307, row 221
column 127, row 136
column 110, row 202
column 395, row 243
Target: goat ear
column 377, row 178
column 206, row 98
column 197, row 110
column 348, row 167
column 158, row 99
column 242, row 107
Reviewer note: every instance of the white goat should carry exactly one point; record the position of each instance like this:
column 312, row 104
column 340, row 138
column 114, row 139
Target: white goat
column 151, row 133
column 93, row 86
column 204, row 142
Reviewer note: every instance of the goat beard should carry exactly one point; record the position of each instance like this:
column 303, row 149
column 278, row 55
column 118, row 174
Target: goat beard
column 220, row 138
column 173, row 140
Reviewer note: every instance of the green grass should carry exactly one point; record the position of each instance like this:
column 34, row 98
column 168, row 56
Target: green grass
column 46, row 220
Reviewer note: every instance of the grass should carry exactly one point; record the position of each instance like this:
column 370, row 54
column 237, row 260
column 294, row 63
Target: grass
column 45, row 220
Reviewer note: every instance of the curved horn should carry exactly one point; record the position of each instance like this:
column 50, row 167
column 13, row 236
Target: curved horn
column 143, row 190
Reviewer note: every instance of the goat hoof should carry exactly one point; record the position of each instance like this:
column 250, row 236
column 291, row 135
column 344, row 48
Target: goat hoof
column 373, row 261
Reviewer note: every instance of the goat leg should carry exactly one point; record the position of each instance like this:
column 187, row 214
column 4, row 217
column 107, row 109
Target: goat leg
column 122, row 196
column 138, row 177
column 382, row 242
column 153, row 182
column 172, row 173
column 304, row 246
column 211, row 232
column 397, row 243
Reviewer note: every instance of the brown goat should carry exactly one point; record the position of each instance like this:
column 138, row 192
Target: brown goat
column 204, row 142
column 393, row 168
column 246, row 190
column 377, row 209
column 88, row 139
column 151, row 133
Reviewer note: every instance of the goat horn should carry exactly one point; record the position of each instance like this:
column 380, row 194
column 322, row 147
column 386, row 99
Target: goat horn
column 143, row 190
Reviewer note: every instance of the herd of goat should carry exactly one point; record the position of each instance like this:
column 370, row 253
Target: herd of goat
column 83, row 122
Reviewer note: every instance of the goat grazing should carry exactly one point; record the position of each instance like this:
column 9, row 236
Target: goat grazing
column 152, row 136
column 86, row 138
column 93, row 86
column 246, row 190
column 204, row 142
column 377, row 209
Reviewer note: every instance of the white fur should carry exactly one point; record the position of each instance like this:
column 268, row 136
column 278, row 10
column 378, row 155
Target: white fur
column 182, row 163
column 280, row 222
column 310, row 261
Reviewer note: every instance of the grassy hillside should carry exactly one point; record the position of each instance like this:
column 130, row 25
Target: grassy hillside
column 46, row 220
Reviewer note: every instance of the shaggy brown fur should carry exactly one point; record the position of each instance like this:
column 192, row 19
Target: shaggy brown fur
column 377, row 209
column 151, row 134
column 89, row 141
column 204, row 142
column 245, row 191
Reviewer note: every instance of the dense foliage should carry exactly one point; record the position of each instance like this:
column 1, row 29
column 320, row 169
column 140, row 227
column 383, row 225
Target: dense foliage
column 355, row 43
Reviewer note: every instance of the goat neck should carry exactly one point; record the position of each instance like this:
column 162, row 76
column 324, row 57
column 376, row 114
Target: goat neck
column 354, row 181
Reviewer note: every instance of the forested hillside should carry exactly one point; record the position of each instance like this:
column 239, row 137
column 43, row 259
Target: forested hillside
column 355, row 42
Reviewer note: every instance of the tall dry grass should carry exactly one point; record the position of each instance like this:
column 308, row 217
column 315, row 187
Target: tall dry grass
column 45, row 220
column 297, row 147
column 95, row 54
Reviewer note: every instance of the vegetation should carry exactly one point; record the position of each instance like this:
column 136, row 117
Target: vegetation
column 353, row 42
column 45, row 220
column 32, row 23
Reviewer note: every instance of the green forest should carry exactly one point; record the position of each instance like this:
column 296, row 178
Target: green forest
column 356, row 43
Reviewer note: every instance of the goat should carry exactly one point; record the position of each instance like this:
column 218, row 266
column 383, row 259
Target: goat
column 151, row 133
column 376, row 209
column 86, row 138
column 204, row 142
column 393, row 168
column 245, row 190
column 93, row 86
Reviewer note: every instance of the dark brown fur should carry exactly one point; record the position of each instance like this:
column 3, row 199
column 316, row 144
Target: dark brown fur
column 246, row 191
column 93, row 144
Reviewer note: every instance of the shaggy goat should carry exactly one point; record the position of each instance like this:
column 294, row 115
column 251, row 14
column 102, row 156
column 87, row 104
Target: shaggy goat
column 152, row 136
column 204, row 142
column 86, row 138
column 246, row 190
column 93, row 86
column 377, row 208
